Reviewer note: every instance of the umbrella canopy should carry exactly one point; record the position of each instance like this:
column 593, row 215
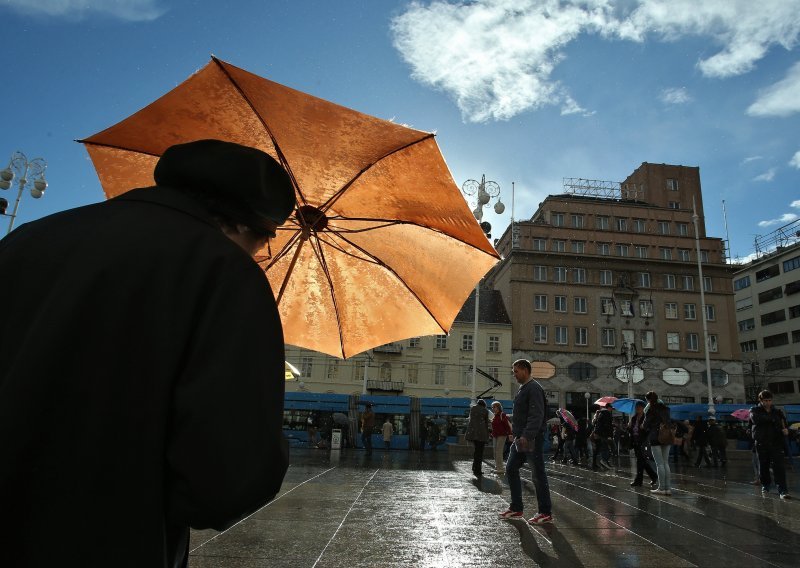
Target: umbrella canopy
column 627, row 405
column 568, row 418
column 291, row 372
column 382, row 246
column 340, row 418
column 555, row 420
column 605, row 400
column 741, row 414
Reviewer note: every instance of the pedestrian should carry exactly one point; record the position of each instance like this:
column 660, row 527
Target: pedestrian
column 387, row 429
column 434, row 434
column 570, row 454
column 311, row 423
column 159, row 404
column 478, row 431
column 717, row 442
column 581, row 441
column 639, row 442
column 686, row 447
column 558, row 438
column 603, row 432
column 501, row 432
column 367, row 428
column 656, row 415
column 769, row 431
column 700, row 437
column 529, row 428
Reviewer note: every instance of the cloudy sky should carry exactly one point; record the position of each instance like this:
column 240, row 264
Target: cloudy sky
column 525, row 92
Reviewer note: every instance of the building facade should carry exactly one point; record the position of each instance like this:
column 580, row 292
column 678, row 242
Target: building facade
column 767, row 301
column 603, row 282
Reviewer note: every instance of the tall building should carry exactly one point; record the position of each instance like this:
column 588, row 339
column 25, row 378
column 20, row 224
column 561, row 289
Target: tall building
column 767, row 296
column 603, row 282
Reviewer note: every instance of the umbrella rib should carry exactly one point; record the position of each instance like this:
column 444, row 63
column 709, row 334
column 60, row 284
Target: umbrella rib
column 115, row 147
column 315, row 245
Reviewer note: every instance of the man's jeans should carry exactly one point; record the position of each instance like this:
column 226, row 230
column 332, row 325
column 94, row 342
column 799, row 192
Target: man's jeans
column 536, row 460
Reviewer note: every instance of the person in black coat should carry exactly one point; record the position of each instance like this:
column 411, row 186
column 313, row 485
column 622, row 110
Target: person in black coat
column 769, row 430
column 142, row 366
column 700, row 437
column 657, row 413
column 639, row 443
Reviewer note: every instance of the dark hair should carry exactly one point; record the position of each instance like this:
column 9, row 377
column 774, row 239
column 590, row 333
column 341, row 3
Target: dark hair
column 651, row 396
column 765, row 394
column 523, row 364
column 481, row 402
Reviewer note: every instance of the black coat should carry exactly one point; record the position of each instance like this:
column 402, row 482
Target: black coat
column 655, row 415
column 141, row 384
column 768, row 426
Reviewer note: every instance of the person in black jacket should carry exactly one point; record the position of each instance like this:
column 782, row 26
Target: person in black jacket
column 657, row 413
column 142, row 365
column 700, row 437
column 769, row 429
column 639, row 443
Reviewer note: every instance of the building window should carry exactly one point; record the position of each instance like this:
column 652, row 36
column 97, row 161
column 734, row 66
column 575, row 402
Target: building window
column 776, row 340
column 689, row 312
column 577, row 221
column 683, row 255
column 713, row 344
column 773, row 317
column 747, row 325
column 640, row 225
column 306, row 366
column 767, row 273
column 414, row 342
column 769, row 295
column 673, row 205
column 539, row 333
column 494, row 344
column 557, row 219
column 608, row 337
column 683, row 229
column 622, row 250
column 646, row 308
column 626, row 308
column 671, row 310
column 663, row 227
column 719, row 378
column 692, row 342
column 540, row 302
column 559, row 274
column 438, row 374
column 606, row 277
column 641, row 252
column 580, row 305
column 669, row 281
column 711, row 312
column 559, row 245
column 782, row 387
column 560, row 304
column 744, row 303
column 561, row 335
column 791, row 264
column 578, row 247
column 582, row 372
column 622, row 224
column 673, row 341
column 581, row 336
column 707, row 285
column 644, row 280
column 603, row 249
column 332, row 371
column 466, row 377
column 441, row 342
column 412, row 373
column 688, row 282
column 777, row 364
column 466, row 342
column 607, row 306
column 749, row 346
column 743, row 282
column 704, row 256
column 648, row 339
column 666, row 253
column 540, row 244
column 794, row 311
column 672, row 184
column 540, row 273
column 601, row 221
column 386, row 371
column 579, row 275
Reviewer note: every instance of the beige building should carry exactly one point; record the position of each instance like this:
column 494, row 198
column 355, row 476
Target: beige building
column 603, row 282
column 767, row 296
column 432, row 366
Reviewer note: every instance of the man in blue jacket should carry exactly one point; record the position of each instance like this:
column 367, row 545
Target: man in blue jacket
column 769, row 430
column 528, row 427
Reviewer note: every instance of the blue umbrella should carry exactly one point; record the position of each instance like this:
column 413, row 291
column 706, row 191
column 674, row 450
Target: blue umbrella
column 627, row 405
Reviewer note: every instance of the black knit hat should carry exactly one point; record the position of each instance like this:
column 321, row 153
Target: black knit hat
column 245, row 184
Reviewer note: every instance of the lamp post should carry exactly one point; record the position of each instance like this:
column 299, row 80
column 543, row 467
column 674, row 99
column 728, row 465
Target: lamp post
column 484, row 191
column 20, row 167
column 711, row 410
column 587, row 396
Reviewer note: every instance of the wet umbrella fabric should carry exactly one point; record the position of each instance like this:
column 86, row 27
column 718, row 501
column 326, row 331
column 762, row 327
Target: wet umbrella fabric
column 382, row 246
column 741, row 414
column 605, row 400
column 626, row 405
column 568, row 418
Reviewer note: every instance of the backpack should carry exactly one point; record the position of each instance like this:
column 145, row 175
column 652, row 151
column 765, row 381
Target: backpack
column 666, row 433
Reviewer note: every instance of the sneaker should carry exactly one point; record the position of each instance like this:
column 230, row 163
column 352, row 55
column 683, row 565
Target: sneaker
column 511, row 514
column 785, row 496
column 660, row 492
column 540, row 519
column 764, row 490
column 654, row 484
column 604, row 463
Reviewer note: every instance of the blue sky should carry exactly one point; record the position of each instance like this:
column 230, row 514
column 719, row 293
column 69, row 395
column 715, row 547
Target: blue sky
column 522, row 91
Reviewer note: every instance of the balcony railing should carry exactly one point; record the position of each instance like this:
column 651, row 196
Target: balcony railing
column 385, row 386
column 393, row 348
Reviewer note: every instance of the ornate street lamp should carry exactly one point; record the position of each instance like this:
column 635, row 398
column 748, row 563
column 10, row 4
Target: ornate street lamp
column 20, row 168
column 483, row 191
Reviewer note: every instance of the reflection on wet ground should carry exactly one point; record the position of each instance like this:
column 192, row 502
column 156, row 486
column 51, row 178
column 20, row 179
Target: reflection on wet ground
column 402, row 508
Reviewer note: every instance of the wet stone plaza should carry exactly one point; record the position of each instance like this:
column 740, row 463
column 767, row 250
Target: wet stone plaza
column 400, row 508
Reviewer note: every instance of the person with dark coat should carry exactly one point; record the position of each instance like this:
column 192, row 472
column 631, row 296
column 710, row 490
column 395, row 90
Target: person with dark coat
column 603, row 432
column 478, row 432
column 367, row 428
column 657, row 413
column 700, row 437
column 142, row 365
column 717, row 441
column 769, row 430
column 639, row 438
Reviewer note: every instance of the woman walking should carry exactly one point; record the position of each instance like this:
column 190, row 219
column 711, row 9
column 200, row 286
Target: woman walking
column 501, row 430
column 639, row 444
column 478, row 433
column 656, row 413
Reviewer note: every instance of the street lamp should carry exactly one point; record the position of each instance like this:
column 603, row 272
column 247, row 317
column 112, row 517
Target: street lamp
column 20, row 167
column 587, row 396
column 484, row 191
column 711, row 410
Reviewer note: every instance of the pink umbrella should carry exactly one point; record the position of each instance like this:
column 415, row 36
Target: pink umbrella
column 741, row 414
column 605, row 400
column 568, row 418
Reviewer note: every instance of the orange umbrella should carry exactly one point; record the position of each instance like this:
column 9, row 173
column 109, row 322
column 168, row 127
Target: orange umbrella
column 382, row 246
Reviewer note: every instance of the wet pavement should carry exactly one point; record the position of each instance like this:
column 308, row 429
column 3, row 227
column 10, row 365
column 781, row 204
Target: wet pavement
column 400, row 508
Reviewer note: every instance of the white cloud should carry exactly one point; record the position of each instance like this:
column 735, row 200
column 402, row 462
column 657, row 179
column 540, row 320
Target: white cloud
column 795, row 162
column 795, row 204
column 782, row 220
column 768, row 175
column 675, row 96
column 749, row 159
column 131, row 10
column 780, row 99
column 496, row 57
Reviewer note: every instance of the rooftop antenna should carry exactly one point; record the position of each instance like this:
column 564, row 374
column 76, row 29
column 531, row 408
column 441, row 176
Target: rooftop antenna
column 727, row 236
